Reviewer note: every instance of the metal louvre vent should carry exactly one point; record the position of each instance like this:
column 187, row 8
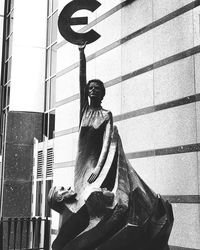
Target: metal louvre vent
column 50, row 160
column 40, row 164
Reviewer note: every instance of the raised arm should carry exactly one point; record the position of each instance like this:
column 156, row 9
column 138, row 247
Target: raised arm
column 104, row 151
column 82, row 81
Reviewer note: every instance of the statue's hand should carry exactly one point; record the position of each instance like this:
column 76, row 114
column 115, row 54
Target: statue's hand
column 94, row 175
column 82, row 47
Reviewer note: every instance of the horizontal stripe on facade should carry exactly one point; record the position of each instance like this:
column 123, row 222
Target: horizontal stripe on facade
column 159, row 107
column 165, row 151
column 143, row 111
column 182, row 149
column 158, row 64
column 67, row 100
column 64, row 164
column 135, row 34
column 188, row 199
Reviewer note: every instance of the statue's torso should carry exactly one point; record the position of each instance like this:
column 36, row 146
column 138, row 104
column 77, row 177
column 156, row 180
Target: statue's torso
column 91, row 136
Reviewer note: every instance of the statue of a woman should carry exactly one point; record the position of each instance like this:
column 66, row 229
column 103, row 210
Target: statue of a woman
column 94, row 130
column 112, row 207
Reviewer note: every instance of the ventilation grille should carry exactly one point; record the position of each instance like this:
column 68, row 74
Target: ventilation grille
column 50, row 161
column 40, row 164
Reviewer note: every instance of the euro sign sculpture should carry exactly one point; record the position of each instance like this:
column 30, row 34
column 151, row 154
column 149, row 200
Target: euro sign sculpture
column 111, row 207
column 65, row 21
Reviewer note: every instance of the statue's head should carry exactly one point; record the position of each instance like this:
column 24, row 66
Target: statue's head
column 58, row 196
column 96, row 89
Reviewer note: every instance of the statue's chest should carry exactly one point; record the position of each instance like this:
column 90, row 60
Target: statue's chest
column 93, row 119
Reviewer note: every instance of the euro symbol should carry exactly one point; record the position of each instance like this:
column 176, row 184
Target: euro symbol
column 65, row 21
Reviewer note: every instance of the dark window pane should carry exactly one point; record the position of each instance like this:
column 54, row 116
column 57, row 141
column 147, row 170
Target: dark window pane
column 38, row 210
column 4, row 96
column 45, row 124
column 7, row 42
column 5, row 72
column 7, row 26
column 48, row 186
column 51, row 124
column 8, row 6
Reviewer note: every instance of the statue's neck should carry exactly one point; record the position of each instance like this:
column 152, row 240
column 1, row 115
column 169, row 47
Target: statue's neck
column 95, row 104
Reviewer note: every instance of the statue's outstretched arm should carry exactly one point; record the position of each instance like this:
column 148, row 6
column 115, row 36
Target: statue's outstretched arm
column 82, row 81
column 104, row 151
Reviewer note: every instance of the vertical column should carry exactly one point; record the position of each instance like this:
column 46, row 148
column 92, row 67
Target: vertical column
column 22, row 127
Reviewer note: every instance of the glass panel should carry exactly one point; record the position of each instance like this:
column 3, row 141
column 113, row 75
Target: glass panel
column 7, row 26
column 48, row 186
column 52, row 93
column 8, row 5
column 4, row 96
column 55, row 5
column 38, row 210
column 49, row 7
column 49, row 30
column 11, row 4
column 47, row 95
column 5, row 73
column 45, row 127
column 7, row 42
column 10, row 46
column 9, row 69
column 7, row 94
column 51, row 124
column 48, row 60
column 11, row 21
column 54, row 27
column 53, row 59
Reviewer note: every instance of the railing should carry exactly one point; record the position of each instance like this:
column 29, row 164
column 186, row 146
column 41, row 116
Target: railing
column 24, row 233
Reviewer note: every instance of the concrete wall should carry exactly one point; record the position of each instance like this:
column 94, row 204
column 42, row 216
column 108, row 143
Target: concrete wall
column 148, row 57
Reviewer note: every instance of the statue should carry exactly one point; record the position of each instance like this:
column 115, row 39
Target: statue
column 111, row 206
column 109, row 198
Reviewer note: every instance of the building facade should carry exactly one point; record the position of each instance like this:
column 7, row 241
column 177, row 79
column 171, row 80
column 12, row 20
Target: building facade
column 148, row 57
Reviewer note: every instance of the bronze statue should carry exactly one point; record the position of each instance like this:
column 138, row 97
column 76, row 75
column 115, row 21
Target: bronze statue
column 112, row 207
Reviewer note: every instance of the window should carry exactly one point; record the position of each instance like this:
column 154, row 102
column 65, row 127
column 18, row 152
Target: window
column 49, row 124
column 42, row 177
column 50, row 78
column 6, row 62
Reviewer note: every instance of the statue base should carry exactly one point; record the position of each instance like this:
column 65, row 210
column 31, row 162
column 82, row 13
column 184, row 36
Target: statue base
column 96, row 227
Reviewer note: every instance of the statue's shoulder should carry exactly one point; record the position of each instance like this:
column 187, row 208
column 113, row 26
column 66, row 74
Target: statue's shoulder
column 107, row 114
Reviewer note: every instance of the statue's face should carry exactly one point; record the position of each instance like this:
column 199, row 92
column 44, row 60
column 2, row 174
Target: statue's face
column 62, row 193
column 95, row 91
